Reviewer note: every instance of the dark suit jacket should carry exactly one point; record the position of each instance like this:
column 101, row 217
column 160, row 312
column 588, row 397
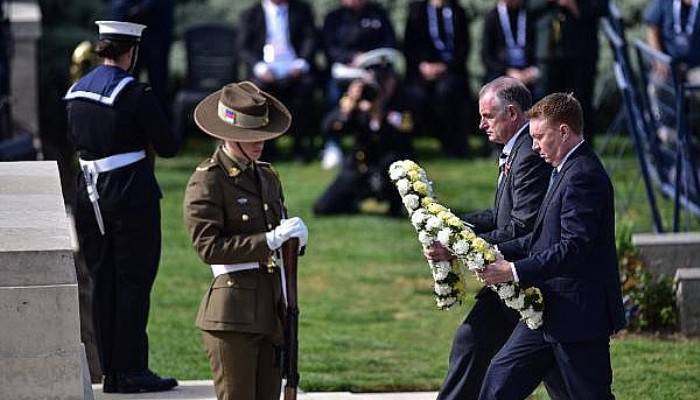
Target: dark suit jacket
column 579, row 36
column 518, row 197
column 493, row 44
column 418, row 45
column 346, row 33
column 572, row 256
column 302, row 34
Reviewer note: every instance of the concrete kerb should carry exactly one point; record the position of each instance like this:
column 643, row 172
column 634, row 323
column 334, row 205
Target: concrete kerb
column 204, row 390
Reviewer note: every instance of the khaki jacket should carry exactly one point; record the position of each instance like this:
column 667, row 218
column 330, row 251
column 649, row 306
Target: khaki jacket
column 227, row 214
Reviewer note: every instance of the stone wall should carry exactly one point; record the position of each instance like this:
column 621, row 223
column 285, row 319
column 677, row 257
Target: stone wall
column 40, row 351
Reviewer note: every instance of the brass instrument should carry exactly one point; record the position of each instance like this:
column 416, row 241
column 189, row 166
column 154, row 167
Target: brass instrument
column 82, row 60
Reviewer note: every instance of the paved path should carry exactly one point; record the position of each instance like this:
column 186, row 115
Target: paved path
column 204, row 390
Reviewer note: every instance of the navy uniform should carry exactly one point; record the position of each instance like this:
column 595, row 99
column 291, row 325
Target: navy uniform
column 112, row 121
column 234, row 212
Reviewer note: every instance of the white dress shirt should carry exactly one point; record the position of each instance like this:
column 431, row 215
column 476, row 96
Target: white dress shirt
column 279, row 57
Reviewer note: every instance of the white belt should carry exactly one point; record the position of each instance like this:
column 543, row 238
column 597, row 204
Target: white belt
column 113, row 162
column 220, row 269
column 92, row 169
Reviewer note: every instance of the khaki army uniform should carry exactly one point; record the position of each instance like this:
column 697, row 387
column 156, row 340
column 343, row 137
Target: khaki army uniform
column 228, row 207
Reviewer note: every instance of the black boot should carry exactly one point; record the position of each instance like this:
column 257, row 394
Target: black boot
column 143, row 381
column 109, row 385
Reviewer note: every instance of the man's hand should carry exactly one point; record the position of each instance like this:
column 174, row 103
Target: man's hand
column 437, row 252
column 431, row 70
column 498, row 272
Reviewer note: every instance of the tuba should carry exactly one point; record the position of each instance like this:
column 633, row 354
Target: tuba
column 82, row 60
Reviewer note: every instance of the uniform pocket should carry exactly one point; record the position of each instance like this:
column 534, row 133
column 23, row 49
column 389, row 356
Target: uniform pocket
column 233, row 299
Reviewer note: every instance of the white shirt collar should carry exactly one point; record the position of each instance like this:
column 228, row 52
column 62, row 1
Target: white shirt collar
column 269, row 6
column 566, row 157
column 511, row 142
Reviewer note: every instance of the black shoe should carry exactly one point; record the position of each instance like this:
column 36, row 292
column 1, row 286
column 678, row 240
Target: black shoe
column 144, row 381
column 109, row 385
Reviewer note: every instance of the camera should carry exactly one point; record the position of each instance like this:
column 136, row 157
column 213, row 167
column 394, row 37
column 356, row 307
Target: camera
column 370, row 91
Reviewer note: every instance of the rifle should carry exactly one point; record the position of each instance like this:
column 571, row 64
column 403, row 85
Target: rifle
column 290, row 250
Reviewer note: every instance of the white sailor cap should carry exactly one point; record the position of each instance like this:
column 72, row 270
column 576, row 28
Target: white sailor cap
column 384, row 56
column 120, row 30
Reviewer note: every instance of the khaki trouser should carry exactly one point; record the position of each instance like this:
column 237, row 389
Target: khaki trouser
column 244, row 365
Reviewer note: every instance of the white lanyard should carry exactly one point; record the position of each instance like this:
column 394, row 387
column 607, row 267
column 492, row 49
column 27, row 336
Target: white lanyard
column 505, row 25
column 692, row 15
column 445, row 50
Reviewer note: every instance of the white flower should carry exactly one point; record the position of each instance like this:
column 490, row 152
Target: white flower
column 441, row 269
column 506, row 291
column 461, row 247
column 533, row 323
column 516, row 303
column 425, row 238
column 433, row 224
column 442, row 290
column 444, row 237
column 528, row 313
column 411, row 202
column 446, row 302
column 396, row 171
column 475, row 262
column 418, row 218
column 403, row 185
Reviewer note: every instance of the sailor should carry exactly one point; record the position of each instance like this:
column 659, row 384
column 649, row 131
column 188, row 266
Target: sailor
column 113, row 121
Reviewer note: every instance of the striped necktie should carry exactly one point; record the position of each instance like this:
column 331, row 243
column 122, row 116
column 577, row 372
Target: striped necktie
column 502, row 159
column 552, row 178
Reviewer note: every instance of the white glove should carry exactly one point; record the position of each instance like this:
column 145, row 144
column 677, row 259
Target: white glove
column 288, row 228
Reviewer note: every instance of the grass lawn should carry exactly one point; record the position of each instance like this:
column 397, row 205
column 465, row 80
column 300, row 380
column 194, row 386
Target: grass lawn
column 368, row 320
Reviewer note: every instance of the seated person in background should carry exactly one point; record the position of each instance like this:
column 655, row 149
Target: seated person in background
column 374, row 112
column 357, row 26
column 436, row 45
column 278, row 43
column 507, row 43
column 673, row 29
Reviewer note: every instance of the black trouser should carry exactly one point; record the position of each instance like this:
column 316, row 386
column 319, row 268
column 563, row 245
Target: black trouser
column 482, row 334
column 528, row 357
column 154, row 54
column 571, row 75
column 298, row 96
column 447, row 111
column 123, row 265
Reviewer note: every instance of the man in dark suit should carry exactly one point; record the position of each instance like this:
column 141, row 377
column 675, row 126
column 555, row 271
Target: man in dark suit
column 507, row 43
column 572, row 259
column 277, row 43
column 436, row 45
column 154, row 49
column 566, row 48
column 522, row 183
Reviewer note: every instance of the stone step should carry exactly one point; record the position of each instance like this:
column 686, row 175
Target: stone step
column 204, row 390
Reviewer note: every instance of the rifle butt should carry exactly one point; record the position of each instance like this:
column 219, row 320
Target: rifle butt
column 290, row 393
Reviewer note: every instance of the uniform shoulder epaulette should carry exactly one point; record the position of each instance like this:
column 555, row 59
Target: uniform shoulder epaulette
column 268, row 166
column 206, row 165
